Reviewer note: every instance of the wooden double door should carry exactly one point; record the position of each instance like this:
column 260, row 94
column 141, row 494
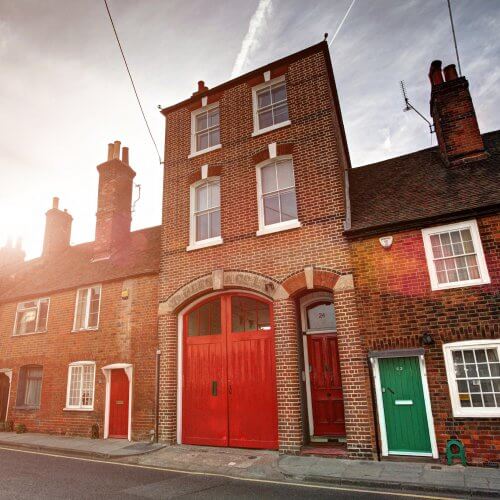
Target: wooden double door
column 229, row 380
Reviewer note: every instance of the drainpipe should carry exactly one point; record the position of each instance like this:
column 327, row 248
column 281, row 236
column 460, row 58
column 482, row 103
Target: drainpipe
column 157, row 394
column 374, row 409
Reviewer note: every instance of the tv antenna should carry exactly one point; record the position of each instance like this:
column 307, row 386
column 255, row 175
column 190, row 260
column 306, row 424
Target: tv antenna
column 409, row 107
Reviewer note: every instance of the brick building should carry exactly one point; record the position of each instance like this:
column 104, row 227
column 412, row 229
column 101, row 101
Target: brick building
column 258, row 327
column 425, row 243
column 78, row 325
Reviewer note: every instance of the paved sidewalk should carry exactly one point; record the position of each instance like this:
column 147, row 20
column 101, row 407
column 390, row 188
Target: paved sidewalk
column 406, row 476
column 105, row 448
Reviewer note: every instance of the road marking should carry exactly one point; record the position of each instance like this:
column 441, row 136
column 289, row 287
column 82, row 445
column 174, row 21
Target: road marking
column 227, row 476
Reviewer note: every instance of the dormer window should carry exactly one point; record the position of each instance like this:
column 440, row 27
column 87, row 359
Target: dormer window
column 205, row 129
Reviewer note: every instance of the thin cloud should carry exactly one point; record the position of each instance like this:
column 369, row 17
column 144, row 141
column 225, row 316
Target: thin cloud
column 255, row 27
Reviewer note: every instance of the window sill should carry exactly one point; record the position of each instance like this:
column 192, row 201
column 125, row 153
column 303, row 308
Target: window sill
column 281, row 226
column 83, row 330
column 493, row 413
column 460, row 284
column 78, row 409
column 27, row 408
column 27, row 334
column 203, row 151
column 205, row 244
column 270, row 129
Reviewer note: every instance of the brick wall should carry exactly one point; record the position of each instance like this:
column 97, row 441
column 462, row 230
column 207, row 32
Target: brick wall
column 394, row 293
column 126, row 334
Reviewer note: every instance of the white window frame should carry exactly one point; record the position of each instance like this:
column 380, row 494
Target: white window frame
column 194, row 114
column 86, row 327
column 458, row 410
column 255, row 106
column 37, row 330
column 278, row 226
column 79, row 407
column 471, row 225
column 216, row 240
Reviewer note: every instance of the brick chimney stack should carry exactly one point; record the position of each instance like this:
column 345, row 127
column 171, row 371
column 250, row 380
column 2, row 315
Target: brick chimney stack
column 57, row 229
column 114, row 202
column 454, row 117
column 10, row 255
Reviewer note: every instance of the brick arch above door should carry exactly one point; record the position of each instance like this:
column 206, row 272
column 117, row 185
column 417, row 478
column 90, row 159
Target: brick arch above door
column 311, row 278
column 220, row 280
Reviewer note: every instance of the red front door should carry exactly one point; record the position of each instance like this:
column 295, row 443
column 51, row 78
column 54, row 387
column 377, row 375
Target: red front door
column 118, row 404
column 326, row 386
column 229, row 382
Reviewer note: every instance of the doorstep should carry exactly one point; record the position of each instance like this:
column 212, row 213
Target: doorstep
column 104, row 448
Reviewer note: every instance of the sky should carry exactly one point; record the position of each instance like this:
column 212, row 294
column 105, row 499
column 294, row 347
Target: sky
column 65, row 94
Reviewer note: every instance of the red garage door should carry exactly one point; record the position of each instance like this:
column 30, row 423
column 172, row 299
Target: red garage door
column 229, row 381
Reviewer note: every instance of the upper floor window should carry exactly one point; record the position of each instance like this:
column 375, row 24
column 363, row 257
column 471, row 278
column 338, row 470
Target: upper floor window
column 88, row 301
column 32, row 316
column 81, row 383
column 277, row 200
column 473, row 370
column 29, row 389
column 455, row 255
column 205, row 129
column 270, row 105
column 205, row 213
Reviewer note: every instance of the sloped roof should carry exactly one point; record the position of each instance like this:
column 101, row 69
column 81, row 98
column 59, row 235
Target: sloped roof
column 418, row 187
column 74, row 267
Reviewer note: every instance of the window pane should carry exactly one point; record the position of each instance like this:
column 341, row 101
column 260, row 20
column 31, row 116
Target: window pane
column 42, row 315
column 95, row 297
column 26, row 321
column 281, row 113
column 265, row 118
column 33, row 387
column 201, row 122
column 288, row 205
column 201, row 141
column 87, row 385
column 279, row 93
column 201, row 198
column 268, row 175
column 201, row 227
column 214, row 137
column 264, row 98
column 75, row 385
column 214, row 223
column 249, row 315
column 213, row 117
column 285, row 175
column 205, row 320
column 271, row 209
column 321, row 317
column 214, row 195
column 81, row 309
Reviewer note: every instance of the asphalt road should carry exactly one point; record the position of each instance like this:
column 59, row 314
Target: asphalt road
column 36, row 475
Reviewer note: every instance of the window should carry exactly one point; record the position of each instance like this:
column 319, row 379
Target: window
column 270, row 106
column 277, row 201
column 31, row 317
column 81, row 382
column 205, row 214
column 249, row 315
column 29, row 389
column 205, row 320
column 88, row 302
column 455, row 255
column 205, row 129
column 473, row 369
column 321, row 316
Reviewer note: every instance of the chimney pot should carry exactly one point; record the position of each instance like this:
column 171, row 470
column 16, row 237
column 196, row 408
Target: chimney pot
column 116, row 150
column 111, row 148
column 201, row 86
column 125, row 155
column 450, row 72
column 435, row 73
column 55, row 202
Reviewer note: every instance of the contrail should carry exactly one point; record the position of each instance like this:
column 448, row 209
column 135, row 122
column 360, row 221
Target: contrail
column 341, row 23
column 257, row 20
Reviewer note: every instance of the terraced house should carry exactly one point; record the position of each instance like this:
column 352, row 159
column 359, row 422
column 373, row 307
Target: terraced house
column 78, row 325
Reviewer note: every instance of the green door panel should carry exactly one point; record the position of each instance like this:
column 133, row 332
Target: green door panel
column 404, row 405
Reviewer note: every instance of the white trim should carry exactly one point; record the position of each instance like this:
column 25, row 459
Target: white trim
column 68, row 387
column 8, row 373
column 458, row 411
column 267, row 83
column 216, row 240
column 204, row 171
column 381, row 415
column 267, row 76
column 272, row 148
column 304, row 302
column 411, row 454
column 204, row 101
column 478, row 249
column 129, row 370
column 180, row 322
column 87, row 312
column 278, row 226
column 194, row 114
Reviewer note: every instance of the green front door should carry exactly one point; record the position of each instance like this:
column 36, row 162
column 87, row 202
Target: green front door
column 404, row 406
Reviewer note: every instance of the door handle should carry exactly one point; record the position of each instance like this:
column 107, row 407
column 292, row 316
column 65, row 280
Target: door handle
column 389, row 389
column 214, row 388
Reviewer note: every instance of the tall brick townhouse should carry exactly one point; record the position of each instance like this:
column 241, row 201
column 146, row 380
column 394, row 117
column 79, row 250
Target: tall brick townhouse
column 425, row 238
column 78, row 325
column 258, row 329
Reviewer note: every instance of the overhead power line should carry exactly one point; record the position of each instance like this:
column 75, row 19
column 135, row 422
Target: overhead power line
column 454, row 38
column 132, row 82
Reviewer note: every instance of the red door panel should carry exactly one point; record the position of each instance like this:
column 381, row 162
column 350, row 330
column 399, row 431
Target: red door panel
column 118, row 404
column 326, row 385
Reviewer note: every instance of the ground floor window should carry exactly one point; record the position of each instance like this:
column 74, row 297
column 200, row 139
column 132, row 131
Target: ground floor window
column 473, row 370
column 30, row 386
column 81, row 380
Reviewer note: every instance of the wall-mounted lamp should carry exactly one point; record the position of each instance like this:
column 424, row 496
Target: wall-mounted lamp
column 427, row 339
column 386, row 242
